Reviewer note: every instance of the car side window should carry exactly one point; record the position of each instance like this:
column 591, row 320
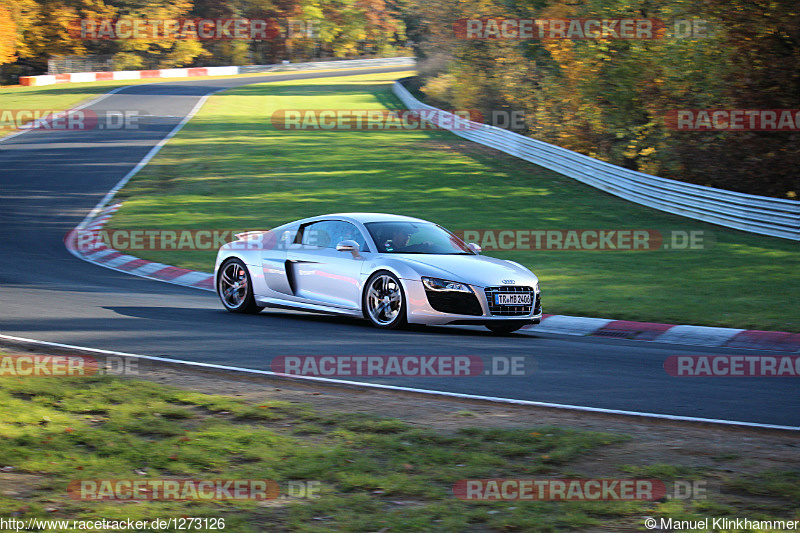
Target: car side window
column 286, row 238
column 329, row 233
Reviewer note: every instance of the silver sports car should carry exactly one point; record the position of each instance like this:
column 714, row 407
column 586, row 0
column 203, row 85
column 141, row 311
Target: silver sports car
column 389, row 269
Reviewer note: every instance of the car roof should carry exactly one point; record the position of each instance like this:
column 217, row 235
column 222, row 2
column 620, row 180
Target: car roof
column 366, row 217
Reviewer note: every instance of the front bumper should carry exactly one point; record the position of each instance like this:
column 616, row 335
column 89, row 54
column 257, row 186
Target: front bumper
column 420, row 310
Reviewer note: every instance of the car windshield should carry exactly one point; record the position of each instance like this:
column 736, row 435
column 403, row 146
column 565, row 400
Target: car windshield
column 415, row 238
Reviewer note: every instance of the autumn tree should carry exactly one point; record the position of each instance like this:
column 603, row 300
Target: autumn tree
column 8, row 36
column 609, row 98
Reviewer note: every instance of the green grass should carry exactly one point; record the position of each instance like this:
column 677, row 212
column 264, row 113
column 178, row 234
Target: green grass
column 373, row 473
column 101, row 428
column 229, row 169
column 785, row 484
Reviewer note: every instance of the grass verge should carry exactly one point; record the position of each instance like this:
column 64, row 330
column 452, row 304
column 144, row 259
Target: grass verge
column 373, row 473
column 230, row 169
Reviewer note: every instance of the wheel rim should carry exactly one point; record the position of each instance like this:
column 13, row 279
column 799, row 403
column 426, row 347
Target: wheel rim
column 233, row 285
column 384, row 300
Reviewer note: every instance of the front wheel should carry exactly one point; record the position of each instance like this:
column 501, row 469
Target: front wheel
column 504, row 327
column 384, row 302
column 235, row 288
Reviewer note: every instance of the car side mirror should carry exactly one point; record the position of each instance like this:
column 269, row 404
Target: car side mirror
column 474, row 247
column 349, row 246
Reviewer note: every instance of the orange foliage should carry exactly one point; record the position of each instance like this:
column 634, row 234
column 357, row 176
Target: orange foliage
column 8, row 36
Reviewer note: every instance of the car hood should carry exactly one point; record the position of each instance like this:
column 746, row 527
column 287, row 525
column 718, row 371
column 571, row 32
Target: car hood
column 472, row 269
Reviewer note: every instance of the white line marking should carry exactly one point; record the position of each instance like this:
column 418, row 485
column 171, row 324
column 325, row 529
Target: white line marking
column 141, row 164
column 530, row 403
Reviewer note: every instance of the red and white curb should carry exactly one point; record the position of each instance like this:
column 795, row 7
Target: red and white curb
column 93, row 250
column 670, row 333
column 83, row 77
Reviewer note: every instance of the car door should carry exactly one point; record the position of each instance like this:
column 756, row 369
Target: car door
column 274, row 246
column 321, row 274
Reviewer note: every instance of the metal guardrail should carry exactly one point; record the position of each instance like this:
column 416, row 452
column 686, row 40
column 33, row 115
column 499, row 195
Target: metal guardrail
column 91, row 63
column 775, row 217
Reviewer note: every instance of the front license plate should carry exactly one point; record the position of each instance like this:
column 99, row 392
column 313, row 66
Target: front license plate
column 512, row 299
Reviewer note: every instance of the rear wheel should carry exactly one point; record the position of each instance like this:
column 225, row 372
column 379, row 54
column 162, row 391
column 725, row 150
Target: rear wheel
column 384, row 302
column 235, row 288
column 505, row 327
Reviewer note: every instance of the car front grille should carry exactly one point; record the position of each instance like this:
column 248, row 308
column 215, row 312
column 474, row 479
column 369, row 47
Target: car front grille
column 510, row 310
column 457, row 303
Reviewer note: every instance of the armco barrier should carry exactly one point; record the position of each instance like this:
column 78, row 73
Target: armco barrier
column 79, row 77
column 756, row 214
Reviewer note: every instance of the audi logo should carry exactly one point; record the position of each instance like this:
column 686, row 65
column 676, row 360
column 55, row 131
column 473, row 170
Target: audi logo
column 508, row 282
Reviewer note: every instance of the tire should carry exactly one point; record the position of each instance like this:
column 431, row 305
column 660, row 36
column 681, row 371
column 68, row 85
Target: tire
column 384, row 302
column 235, row 289
column 505, row 327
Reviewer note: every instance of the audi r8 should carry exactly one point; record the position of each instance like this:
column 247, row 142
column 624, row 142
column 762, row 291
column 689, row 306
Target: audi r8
column 390, row 269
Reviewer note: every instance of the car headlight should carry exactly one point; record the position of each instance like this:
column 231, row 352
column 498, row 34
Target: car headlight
column 436, row 284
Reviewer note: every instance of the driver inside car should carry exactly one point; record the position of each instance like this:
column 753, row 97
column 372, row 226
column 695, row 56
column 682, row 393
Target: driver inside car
column 399, row 238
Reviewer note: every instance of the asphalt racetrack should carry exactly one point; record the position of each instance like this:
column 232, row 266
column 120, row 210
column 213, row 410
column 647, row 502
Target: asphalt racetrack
column 49, row 181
